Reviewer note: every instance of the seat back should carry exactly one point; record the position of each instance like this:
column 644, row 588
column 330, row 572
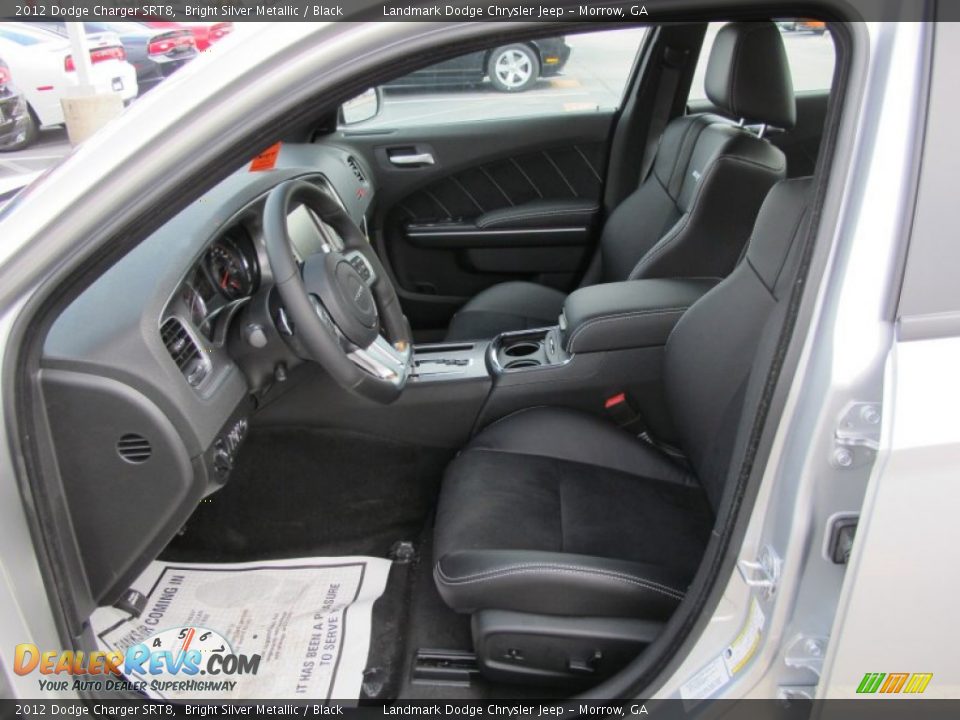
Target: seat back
column 689, row 216
column 727, row 338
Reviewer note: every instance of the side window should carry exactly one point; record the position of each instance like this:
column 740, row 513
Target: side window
column 549, row 76
column 810, row 52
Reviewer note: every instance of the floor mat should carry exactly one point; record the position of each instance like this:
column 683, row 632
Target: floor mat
column 308, row 619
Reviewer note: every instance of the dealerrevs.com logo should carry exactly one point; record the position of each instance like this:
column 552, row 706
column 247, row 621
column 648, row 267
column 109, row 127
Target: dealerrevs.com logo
column 894, row 683
column 172, row 659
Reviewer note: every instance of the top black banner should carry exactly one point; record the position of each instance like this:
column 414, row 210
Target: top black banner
column 464, row 10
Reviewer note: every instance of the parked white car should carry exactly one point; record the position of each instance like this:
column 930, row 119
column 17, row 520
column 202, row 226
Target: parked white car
column 43, row 68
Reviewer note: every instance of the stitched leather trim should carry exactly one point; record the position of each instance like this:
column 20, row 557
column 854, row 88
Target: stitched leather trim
column 665, row 243
column 535, row 214
column 620, row 316
column 548, row 568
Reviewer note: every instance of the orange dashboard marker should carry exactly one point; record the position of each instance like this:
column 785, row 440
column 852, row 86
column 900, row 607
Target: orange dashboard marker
column 266, row 160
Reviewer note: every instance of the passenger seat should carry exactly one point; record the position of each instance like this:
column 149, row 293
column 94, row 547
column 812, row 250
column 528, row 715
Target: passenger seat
column 692, row 213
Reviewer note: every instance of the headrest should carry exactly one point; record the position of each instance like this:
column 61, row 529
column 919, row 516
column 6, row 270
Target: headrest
column 748, row 75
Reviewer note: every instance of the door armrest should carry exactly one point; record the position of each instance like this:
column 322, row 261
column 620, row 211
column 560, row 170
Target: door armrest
column 542, row 214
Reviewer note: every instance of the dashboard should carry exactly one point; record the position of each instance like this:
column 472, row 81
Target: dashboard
column 163, row 359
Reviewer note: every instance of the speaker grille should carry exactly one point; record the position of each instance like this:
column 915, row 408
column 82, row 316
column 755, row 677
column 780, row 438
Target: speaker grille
column 134, row 448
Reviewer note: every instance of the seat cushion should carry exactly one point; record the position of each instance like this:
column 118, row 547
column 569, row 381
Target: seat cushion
column 505, row 307
column 555, row 511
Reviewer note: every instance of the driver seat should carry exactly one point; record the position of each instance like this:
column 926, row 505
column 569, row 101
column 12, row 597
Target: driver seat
column 571, row 541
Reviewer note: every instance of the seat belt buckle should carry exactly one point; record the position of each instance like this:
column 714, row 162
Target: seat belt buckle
column 621, row 411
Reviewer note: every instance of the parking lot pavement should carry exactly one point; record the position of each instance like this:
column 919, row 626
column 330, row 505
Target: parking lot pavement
column 49, row 148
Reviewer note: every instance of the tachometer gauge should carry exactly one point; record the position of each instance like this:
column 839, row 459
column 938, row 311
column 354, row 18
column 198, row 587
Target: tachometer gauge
column 231, row 271
column 196, row 306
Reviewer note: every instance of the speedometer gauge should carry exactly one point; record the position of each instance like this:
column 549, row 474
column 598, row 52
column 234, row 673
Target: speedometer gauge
column 231, row 270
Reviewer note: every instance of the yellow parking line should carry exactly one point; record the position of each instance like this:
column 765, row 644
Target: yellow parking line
column 564, row 83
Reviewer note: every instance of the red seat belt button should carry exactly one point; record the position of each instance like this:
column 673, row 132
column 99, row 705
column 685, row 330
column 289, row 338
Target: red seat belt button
column 615, row 400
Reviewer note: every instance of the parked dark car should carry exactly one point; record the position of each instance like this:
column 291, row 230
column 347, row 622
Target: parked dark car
column 16, row 129
column 511, row 68
column 155, row 53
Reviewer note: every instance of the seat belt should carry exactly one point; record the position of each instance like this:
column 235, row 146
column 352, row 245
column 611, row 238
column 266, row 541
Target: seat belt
column 670, row 70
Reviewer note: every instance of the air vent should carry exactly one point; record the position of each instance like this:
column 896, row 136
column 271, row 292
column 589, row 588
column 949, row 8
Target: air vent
column 184, row 351
column 134, row 448
column 355, row 166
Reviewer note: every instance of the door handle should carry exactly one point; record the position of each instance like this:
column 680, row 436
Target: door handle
column 416, row 159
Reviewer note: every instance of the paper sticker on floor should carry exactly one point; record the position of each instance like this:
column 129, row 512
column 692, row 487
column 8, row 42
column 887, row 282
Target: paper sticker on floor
column 275, row 629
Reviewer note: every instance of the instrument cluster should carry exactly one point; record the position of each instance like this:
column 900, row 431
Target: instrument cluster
column 228, row 272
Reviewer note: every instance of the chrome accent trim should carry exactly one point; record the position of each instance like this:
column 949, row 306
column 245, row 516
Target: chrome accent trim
column 486, row 233
column 383, row 360
column 415, row 159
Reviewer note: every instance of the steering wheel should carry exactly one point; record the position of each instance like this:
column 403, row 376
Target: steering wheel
column 339, row 300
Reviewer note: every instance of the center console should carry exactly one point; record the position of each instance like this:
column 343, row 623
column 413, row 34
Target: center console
column 608, row 343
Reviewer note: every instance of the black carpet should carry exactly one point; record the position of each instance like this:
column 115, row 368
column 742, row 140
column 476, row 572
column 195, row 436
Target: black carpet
column 298, row 492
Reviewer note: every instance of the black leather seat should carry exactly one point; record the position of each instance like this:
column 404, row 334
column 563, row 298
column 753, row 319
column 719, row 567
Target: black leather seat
column 552, row 512
column 690, row 216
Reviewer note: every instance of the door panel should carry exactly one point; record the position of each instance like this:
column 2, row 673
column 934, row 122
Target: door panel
column 489, row 201
column 557, row 173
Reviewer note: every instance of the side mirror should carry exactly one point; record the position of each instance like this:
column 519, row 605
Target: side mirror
column 363, row 107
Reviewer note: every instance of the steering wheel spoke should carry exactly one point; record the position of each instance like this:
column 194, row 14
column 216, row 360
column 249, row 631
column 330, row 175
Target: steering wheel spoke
column 383, row 360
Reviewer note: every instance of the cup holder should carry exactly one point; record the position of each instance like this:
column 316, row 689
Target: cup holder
column 516, row 364
column 522, row 349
